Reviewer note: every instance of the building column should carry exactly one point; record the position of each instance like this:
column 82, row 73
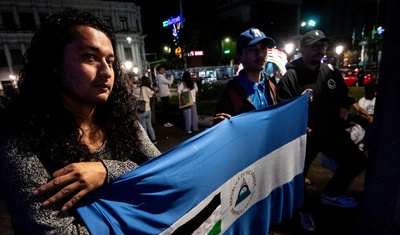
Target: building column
column 36, row 17
column 8, row 57
column 23, row 49
column 16, row 18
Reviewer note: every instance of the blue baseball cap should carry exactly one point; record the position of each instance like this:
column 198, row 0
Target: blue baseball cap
column 251, row 37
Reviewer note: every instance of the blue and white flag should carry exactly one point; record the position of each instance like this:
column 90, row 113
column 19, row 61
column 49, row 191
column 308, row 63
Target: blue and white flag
column 238, row 177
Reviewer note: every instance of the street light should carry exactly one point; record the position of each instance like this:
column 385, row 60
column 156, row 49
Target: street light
column 289, row 48
column 305, row 26
column 135, row 69
column 129, row 39
column 128, row 65
column 339, row 50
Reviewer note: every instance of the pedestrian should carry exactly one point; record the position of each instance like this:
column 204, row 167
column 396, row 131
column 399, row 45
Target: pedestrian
column 360, row 76
column 326, row 123
column 70, row 129
column 163, row 84
column 145, row 92
column 252, row 88
column 190, row 117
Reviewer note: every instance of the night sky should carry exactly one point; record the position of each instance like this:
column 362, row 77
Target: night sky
column 197, row 13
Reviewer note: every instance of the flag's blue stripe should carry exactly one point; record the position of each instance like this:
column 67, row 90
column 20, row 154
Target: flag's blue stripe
column 155, row 195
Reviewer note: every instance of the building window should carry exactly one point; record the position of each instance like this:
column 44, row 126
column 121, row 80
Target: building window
column 27, row 21
column 3, row 59
column 107, row 21
column 8, row 21
column 16, row 57
column 128, row 53
column 124, row 23
column 42, row 17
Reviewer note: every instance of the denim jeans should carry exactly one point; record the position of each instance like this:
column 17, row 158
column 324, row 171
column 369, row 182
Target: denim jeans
column 191, row 118
column 145, row 120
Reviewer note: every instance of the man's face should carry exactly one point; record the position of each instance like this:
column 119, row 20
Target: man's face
column 314, row 53
column 161, row 71
column 87, row 68
column 254, row 58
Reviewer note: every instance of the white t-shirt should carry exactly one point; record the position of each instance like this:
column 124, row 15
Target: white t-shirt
column 368, row 105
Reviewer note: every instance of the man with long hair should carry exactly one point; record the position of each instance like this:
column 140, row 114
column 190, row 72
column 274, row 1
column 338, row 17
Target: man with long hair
column 72, row 127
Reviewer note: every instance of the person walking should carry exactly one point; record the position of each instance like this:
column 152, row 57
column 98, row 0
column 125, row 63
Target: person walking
column 145, row 92
column 190, row 117
column 70, row 129
column 163, row 91
column 327, row 113
column 252, row 88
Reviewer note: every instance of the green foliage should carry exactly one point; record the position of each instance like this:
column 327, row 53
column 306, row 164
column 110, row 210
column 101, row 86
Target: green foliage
column 210, row 91
column 356, row 92
column 207, row 97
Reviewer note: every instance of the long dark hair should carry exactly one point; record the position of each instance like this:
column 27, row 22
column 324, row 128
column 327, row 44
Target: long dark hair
column 36, row 115
column 188, row 80
column 146, row 81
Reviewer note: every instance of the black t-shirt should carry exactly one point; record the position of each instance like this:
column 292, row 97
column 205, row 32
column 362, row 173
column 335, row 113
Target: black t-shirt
column 330, row 93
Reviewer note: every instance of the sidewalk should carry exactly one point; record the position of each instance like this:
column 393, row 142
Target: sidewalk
column 328, row 220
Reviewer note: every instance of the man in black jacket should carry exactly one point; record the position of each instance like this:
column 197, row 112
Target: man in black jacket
column 252, row 89
column 327, row 113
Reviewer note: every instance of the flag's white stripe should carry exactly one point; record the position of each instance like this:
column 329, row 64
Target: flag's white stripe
column 271, row 171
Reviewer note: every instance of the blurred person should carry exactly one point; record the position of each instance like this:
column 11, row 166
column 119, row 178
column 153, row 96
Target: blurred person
column 147, row 93
column 190, row 117
column 365, row 116
column 277, row 75
column 360, row 77
column 252, row 88
column 326, row 123
column 163, row 91
column 70, row 129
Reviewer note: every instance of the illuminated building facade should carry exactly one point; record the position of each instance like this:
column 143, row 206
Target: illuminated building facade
column 20, row 19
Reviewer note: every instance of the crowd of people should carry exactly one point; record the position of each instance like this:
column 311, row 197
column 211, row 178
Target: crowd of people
column 73, row 126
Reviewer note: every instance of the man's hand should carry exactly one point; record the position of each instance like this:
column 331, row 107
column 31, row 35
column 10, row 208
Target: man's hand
column 76, row 179
column 311, row 94
column 219, row 117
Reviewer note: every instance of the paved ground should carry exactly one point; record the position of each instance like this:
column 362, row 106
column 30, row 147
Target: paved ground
column 329, row 220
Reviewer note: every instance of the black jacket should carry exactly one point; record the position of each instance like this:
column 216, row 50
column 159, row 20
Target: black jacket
column 330, row 93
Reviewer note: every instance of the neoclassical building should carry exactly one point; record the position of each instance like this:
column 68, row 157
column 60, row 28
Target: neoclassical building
column 20, row 19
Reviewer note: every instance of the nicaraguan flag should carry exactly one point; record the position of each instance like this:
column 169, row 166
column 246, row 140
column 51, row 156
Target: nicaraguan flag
column 238, row 177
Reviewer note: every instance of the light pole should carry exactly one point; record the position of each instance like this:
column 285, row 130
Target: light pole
column 339, row 50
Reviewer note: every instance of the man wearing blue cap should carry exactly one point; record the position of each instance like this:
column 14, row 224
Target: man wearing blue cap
column 326, row 121
column 252, row 89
